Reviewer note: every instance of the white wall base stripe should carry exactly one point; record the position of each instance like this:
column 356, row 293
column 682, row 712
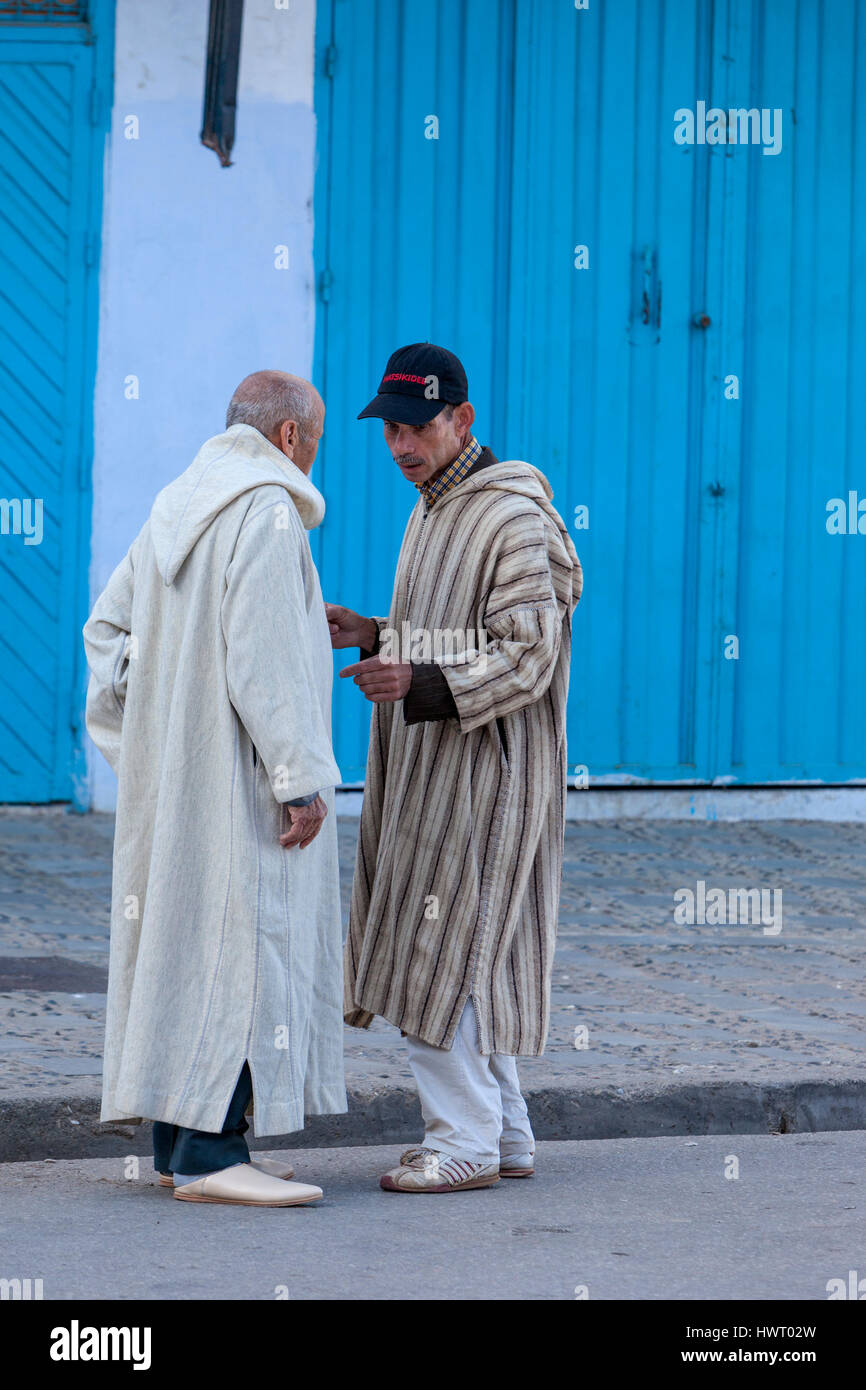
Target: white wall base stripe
column 695, row 803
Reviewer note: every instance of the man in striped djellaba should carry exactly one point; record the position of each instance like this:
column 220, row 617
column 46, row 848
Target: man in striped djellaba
column 453, row 918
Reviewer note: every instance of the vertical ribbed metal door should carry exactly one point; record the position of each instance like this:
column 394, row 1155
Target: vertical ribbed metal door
column 51, row 123
column 691, row 378
column 412, row 240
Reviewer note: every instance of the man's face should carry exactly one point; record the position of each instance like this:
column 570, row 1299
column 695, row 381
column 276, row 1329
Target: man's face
column 422, row 451
column 306, row 449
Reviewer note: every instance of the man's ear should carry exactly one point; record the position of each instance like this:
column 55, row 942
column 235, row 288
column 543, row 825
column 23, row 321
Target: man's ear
column 288, row 437
column 464, row 414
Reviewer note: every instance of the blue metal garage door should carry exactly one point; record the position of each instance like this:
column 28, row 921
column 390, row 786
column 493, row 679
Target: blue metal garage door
column 696, row 386
column 53, row 109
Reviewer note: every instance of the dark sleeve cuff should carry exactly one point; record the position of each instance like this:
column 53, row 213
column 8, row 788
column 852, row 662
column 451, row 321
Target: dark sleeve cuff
column 363, row 650
column 429, row 696
column 303, row 800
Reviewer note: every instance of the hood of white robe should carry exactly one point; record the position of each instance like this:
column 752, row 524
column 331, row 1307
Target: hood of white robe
column 225, row 467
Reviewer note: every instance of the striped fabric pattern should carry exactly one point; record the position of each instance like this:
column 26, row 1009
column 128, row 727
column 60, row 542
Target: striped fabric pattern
column 460, row 850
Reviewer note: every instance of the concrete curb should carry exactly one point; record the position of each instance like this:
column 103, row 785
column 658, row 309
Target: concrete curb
column 44, row 1125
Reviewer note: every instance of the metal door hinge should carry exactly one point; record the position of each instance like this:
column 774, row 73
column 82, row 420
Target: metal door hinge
column 326, row 280
column 330, row 60
column 646, row 312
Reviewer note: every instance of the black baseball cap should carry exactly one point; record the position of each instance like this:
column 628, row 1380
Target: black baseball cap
column 413, row 373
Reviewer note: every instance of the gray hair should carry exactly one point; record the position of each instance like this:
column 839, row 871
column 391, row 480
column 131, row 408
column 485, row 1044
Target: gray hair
column 275, row 401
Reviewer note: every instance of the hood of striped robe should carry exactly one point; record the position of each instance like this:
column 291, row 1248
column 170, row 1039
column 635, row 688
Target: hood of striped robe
column 514, row 475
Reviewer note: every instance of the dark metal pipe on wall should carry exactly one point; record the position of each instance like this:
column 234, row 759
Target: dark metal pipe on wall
column 221, row 77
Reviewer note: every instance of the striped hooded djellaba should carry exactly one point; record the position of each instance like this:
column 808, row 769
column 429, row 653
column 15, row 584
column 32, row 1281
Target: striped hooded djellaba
column 459, row 859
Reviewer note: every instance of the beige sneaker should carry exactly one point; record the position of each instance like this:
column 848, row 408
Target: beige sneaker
column 274, row 1168
column 245, row 1186
column 427, row 1170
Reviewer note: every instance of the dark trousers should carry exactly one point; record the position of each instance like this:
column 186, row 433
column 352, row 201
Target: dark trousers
column 179, row 1150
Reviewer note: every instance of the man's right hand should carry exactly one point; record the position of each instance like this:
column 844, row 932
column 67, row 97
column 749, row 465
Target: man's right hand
column 349, row 629
column 306, row 822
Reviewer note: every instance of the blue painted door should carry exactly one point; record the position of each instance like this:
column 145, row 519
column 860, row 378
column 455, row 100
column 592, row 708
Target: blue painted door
column 412, row 238
column 52, row 113
column 672, row 332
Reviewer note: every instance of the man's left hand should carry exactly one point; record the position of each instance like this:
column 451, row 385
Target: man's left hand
column 381, row 681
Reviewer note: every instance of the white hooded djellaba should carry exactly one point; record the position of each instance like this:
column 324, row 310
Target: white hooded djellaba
column 210, row 696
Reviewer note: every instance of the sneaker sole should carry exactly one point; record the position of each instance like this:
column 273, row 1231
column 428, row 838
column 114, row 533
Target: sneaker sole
column 388, row 1185
column 517, row 1172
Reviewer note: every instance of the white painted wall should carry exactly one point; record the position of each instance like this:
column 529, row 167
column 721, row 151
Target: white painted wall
column 190, row 300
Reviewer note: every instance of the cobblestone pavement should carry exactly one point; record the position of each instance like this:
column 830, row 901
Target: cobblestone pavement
column 644, row 996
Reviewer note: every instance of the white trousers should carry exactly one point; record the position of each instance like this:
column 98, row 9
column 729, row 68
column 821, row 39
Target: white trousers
column 471, row 1104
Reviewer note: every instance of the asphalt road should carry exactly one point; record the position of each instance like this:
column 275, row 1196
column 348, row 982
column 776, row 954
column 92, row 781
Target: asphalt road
column 609, row 1219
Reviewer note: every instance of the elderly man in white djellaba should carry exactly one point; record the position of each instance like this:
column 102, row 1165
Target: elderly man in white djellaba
column 210, row 696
